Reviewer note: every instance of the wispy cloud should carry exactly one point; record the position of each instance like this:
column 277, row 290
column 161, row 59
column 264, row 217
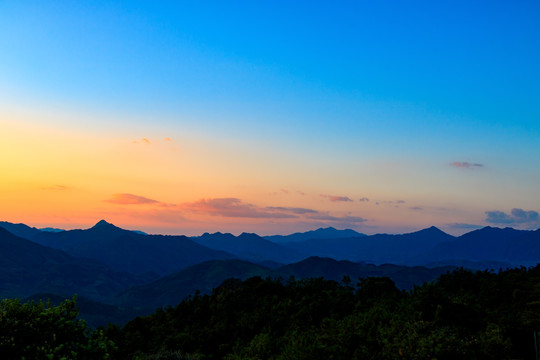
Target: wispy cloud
column 516, row 216
column 335, row 198
column 285, row 191
column 56, row 188
column 465, row 165
column 394, row 203
column 130, row 199
column 464, row 226
column 339, row 219
column 364, row 199
column 416, row 208
column 229, row 208
column 233, row 207
column 167, row 139
column 294, row 210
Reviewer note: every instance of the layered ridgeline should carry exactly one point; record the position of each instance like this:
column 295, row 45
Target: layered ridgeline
column 250, row 247
column 172, row 289
column 119, row 273
column 135, row 252
column 480, row 249
column 130, row 251
column 27, row 268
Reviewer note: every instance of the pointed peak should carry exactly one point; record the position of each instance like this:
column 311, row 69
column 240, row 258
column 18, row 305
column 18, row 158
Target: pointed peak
column 102, row 224
column 432, row 230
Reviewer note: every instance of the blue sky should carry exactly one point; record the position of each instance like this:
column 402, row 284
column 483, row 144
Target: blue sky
column 383, row 94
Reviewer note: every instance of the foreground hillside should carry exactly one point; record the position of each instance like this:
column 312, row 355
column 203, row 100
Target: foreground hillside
column 172, row 289
column 464, row 315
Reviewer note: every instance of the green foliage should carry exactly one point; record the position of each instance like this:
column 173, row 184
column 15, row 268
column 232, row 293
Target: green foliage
column 41, row 331
column 463, row 315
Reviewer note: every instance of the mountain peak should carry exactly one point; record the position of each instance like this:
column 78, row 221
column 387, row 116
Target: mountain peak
column 102, row 224
column 432, row 229
column 329, row 228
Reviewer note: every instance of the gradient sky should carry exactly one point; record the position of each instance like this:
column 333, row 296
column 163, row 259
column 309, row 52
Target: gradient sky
column 275, row 117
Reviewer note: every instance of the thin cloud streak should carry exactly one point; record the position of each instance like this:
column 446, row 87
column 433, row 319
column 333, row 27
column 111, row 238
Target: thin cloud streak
column 57, row 188
column 465, row 165
column 233, row 207
column 130, row 199
column 464, row 226
column 335, row 198
column 299, row 211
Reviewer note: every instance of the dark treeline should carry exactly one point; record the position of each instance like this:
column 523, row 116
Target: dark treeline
column 463, row 315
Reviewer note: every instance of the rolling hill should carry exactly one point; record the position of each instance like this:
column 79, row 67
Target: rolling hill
column 27, row 268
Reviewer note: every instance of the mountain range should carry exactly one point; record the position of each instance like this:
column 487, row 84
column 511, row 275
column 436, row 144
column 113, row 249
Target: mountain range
column 124, row 250
column 27, row 268
column 119, row 273
column 250, row 247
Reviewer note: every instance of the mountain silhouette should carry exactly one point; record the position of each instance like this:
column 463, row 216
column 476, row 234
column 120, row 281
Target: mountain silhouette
column 321, row 233
column 404, row 277
column 248, row 246
column 20, row 230
column 126, row 250
column 118, row 269
column 172, row 289
column 378, row 249
column 517, row 247
column 27, row 268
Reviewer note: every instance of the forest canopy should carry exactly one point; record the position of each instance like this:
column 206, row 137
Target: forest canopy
column 462, row 315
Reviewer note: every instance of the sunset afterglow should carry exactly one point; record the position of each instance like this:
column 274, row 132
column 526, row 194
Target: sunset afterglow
column 184, row 119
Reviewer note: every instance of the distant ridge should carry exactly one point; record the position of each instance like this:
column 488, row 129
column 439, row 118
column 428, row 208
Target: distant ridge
column 123, row 268
column 507, row 245
column 249, row 247
column 321, row 233
column 172, row 289
column 27, row 268
column 51, row 229
column 102, row 224
column 131, row 251
column 20, row 230
column 377, row 249
column 125, row 250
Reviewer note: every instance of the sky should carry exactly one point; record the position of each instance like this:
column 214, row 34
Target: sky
column 270, row 117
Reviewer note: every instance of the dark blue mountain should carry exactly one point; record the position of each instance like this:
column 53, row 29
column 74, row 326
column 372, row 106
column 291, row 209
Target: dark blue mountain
column 321, row 233
column 249, row 247
column 378, row 249
column 125, row 250
column 20, row 230
column 172, row 289
column 51, row 229
column 404, row 277
column 517, row 247
column 27, row 268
